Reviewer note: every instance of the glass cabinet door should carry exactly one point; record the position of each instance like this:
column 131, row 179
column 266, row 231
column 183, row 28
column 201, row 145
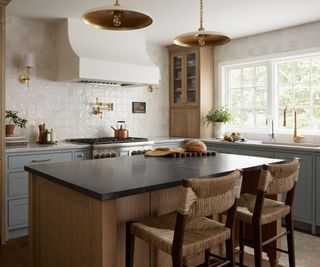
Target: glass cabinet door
column 191, row 78
column 177, row 80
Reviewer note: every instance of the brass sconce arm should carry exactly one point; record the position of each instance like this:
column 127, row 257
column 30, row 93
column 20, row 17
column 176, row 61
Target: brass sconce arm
column 28, row 62
column 25, row 78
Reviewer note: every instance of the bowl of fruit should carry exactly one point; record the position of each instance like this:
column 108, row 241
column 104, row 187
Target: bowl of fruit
column 235, row 136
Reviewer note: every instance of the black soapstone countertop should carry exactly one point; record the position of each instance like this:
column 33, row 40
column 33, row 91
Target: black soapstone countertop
column 112, row 178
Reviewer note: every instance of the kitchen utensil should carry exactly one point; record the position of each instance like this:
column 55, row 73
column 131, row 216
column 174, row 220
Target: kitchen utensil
column 121, row 132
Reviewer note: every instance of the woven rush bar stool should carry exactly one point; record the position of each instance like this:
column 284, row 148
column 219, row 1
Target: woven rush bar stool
column 258, row 210
column 188, row 231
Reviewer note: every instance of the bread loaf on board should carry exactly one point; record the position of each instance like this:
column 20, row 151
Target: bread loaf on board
column 196, row 146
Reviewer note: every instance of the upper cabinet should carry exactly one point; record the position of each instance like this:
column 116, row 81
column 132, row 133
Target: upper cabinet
column 191, row 90
column 185, row 79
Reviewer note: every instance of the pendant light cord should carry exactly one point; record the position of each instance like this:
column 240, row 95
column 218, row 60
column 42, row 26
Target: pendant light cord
column 117, row 3
column 201, row 16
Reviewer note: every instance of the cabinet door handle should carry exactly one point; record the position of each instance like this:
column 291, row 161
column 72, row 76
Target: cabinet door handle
column 40, row 160
column 81, row 155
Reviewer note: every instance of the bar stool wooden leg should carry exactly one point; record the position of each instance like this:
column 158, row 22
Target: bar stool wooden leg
column 230, row 251
column 257, row 240
column 290, row 240
column 207, row 258
column 241, row 242
column 129, row 246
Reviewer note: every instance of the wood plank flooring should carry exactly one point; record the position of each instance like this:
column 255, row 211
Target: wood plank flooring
column 15, row 254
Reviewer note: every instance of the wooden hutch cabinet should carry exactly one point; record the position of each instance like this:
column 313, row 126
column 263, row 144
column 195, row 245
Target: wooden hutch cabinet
column 191, row 90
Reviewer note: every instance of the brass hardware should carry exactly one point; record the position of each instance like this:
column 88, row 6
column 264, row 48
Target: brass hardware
column 296, row 138
column 201, row 37
column 25, row 78
column 116, row 18
column 100, row 106
column 28, row 62
column 151, row 88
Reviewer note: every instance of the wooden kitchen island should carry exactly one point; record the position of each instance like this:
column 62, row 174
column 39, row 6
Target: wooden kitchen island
column 78, row 210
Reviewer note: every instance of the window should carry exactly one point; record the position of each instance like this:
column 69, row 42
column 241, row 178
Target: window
column 298, row 86
column 247, row 95
column 253, row 92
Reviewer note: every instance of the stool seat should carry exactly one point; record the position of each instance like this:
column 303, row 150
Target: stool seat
column 189, row 230
column 272, row 210
column 200, row 234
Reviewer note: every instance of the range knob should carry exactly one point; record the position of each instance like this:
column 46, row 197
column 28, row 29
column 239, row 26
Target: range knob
column 113, row 154
column 97, row 156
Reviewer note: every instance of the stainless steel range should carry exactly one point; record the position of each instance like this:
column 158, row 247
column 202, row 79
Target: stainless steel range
column 108, row 147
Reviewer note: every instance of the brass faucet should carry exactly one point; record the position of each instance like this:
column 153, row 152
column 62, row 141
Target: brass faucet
column 296, row 138
column 100, row 106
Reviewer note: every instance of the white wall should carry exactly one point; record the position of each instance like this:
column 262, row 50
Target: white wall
column 67, row 107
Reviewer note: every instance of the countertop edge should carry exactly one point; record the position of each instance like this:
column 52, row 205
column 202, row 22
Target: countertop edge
column 124, row 193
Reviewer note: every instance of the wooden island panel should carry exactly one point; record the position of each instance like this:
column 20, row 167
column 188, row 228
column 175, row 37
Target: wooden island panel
column 68, row 228
column 130, row 209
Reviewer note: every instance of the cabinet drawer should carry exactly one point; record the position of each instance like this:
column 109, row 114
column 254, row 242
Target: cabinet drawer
column 81, row 155
column 18, row 212
column 17, row 184
column 19, row 161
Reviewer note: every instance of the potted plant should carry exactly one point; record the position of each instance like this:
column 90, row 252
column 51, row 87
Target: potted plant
column 218, row 117
column 13, row 120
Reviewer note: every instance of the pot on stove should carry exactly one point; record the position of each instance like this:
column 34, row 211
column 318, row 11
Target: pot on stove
column 121, row 132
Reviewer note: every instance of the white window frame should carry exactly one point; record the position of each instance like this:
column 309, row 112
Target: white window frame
column 271, row 87
column 227, row 70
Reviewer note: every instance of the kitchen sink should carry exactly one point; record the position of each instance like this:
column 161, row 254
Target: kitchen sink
column 291, row 144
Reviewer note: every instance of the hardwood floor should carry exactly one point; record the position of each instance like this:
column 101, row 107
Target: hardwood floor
column 15, row 254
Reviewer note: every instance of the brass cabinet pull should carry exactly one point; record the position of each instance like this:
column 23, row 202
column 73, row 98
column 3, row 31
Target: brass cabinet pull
column 40, row 160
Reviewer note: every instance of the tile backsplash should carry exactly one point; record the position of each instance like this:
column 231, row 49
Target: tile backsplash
column 67, row 107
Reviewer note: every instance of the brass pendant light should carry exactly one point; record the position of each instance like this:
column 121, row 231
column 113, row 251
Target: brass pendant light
column 116, row 18
column 201, row 37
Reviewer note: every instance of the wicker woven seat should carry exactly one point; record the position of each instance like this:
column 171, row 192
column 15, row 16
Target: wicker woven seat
column 188, row 231
column 200, row 233
column 258, row 210
column 272, row 210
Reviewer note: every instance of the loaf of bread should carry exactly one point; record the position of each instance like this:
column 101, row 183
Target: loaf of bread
column 196, row 146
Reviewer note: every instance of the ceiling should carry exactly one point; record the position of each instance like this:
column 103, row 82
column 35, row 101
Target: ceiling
column 236, row 18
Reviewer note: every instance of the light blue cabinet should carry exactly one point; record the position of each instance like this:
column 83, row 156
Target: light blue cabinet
column 256, row 153
column 17, row 183
column 303, row 199
column 318, row 192
column 223, row 148
column 306, row 206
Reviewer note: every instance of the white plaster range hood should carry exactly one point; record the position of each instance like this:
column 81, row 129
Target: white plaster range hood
column 86, row 54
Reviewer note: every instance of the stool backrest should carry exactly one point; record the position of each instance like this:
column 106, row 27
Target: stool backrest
column 206, row 197
column 279, row 178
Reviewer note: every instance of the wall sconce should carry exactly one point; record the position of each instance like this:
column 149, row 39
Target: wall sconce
column 28, row 62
